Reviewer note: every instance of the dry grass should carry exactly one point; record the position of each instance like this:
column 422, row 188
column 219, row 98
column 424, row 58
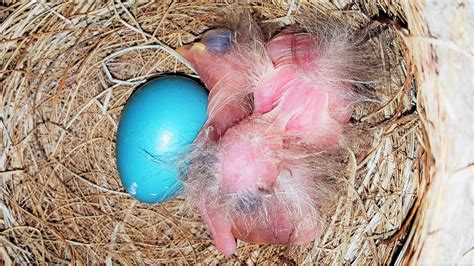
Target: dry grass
column 66, row 71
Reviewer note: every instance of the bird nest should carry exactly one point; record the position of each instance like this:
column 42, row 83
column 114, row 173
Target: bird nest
column 66, row 72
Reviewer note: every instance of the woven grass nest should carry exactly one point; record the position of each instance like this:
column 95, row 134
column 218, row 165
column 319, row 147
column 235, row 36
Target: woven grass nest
column 67, row 70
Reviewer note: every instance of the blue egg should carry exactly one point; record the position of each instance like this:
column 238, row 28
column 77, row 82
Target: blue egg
column 157, row 125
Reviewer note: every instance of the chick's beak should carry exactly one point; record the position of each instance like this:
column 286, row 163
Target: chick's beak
column 188, row 50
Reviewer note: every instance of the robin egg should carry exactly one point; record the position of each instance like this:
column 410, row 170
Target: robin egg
column 157, row 125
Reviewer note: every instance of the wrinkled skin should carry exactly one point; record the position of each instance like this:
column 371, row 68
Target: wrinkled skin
column 287, row 105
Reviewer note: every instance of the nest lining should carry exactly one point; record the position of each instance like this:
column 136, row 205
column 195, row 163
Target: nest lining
column 61, row 197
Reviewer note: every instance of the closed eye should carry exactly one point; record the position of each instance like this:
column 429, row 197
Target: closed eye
column 218, row 41
column 248, row 203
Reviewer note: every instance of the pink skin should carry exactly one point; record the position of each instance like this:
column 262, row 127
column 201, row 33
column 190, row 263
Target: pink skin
column 288, row 105
column 254, row 167
column 249, row 165
column 217, row 71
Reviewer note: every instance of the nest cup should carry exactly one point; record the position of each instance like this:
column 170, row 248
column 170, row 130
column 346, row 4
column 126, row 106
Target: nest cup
column 68, row 69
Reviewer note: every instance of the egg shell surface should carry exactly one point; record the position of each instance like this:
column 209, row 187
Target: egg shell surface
column 157, row 125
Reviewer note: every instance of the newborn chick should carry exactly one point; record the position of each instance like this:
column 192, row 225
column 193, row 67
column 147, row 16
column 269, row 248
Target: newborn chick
column 260, row 169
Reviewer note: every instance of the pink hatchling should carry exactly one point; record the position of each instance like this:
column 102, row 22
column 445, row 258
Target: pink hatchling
column 275, row 108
